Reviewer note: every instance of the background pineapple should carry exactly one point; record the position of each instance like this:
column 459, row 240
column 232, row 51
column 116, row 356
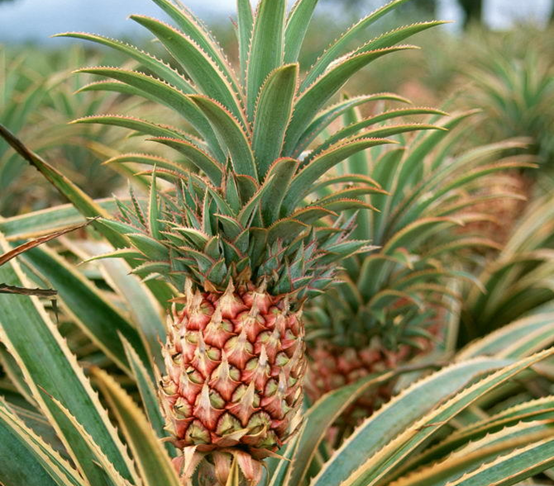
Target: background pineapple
column 402, row 300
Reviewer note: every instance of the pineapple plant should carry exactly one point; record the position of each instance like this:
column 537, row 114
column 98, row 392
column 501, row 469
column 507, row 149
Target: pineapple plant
column 517, row 280
column 239, row 230
column 234, row 224
column 397, row 303
column 513, row 84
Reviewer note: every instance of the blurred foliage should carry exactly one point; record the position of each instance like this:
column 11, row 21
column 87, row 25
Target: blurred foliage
column 513, row 83
column 473, row 10
column 39, row 99
column 518, row 282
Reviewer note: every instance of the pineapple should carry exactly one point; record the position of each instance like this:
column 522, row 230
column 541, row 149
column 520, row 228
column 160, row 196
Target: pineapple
column 397, row 303
column 234, row 223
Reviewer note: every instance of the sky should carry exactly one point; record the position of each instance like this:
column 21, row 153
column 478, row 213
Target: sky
column 36, row 20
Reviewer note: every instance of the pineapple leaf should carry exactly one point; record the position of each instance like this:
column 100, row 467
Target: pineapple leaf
column 254, row 204
column 96, row 455
column 154, row 225
column 145, row 310
column 161, row 69
column 109, row 85
column 391, row 455
column 68, row 189
column 518, row 339
column 349, row 193
column 474, row 455
column 245, row 22
column 462, row 243
column 156, row 90
column 273, row 113
column 321, row 416
column 196, row 156
column 311, row 214
column 40, row 223
column 533, row 410
column 121, row 253
column 346, row 179
column 266, row 47
column 400, row 417
column 232, row 135
column 380, row 132
column 285, row 228
column 49, row 367
column 152, row 249
column 384, row 172
column 24, row 247
column 398, row 35
column 357, row 163
column 468, row 177
column 512, row 468
column 206, row 75
column 278, row 179
column 297, row 26
column 339, row 205
column 416, row 231
column 342, row 43
column 303, row 181
column 89, row 308
column 192, row 27
column 151, row 459
column 417, row 154
column 15, row 375
column 327, row 116
column 314, row 97
column 19, row 446
column 142, row 126
column 152, row 160
column 148, row 394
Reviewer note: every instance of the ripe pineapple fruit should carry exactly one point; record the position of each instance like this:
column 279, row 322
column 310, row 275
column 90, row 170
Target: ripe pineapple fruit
column 395, row 304
column 234, row 223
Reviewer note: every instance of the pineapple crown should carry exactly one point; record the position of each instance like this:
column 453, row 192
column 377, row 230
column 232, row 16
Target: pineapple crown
column 242, row 201
column 400, row 292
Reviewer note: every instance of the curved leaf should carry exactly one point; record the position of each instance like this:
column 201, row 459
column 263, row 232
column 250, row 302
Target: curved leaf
column 150, row 457
column 206, row 75
column 232, row 135
column 318, row 93
column 395, row 417
column 27, row 459
column 50, row 368
column 342, row 43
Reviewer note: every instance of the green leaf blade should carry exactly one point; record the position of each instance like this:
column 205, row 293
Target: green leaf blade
column 232, row 135
column 273, row 114
column 297, row 27
column 51, row 369
column 266, row 47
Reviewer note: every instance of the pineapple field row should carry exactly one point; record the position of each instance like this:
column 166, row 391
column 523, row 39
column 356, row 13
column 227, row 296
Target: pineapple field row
column 259, row 255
